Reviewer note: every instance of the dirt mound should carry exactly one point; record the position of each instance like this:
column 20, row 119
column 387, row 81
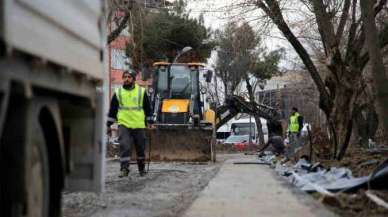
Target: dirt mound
column 360, row 161
column 356, row 205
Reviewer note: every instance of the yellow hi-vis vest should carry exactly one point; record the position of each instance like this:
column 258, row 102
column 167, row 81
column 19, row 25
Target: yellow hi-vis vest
column 130, row 113
column 293, row 126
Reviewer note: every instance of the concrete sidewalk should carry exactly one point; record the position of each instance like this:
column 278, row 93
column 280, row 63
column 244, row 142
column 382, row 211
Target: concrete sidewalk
column 252, row 190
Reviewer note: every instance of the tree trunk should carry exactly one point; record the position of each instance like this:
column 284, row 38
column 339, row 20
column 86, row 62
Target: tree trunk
column 365, row 122
column 360, row 125
column 378, row 71
column 136, row 23
column 260, row 134
column 251, row 94
column 225, row 90
column 340, row 119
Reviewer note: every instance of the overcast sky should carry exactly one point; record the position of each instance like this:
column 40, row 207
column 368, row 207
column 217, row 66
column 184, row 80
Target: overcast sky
column 216, row 15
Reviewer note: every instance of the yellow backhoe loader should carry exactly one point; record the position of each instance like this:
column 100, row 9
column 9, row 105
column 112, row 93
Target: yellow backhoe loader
column 183, row 123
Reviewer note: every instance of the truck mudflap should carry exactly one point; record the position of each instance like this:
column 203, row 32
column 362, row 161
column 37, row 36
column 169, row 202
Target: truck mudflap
column 179, row 144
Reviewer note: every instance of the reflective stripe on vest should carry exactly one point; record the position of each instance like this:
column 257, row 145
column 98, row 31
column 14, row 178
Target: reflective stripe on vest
column 294, row 124
column 131, row 113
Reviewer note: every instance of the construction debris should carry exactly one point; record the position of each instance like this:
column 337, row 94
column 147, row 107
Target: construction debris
column 376, row 199
column 330, row 184
column 312, row 177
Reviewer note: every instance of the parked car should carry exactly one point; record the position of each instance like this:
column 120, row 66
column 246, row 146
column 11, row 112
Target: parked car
column 239, row 142
column 234, row 139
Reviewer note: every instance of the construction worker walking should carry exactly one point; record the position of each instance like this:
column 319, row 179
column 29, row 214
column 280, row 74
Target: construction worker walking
column 295, row 126
column 130, row 108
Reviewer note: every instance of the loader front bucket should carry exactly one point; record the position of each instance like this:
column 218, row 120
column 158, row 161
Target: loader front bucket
column 179, row 144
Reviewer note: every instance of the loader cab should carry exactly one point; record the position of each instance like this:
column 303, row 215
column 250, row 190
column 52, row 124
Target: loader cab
column 176, row 98
column 177, row 81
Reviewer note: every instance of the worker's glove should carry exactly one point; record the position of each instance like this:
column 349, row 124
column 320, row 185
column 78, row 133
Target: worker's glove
column 150, row 120
column 151, row 126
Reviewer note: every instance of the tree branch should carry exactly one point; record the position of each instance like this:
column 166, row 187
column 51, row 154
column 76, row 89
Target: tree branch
column 274, row 12
column 344, row 18
column 352, row 32
column 358, row 43
column 379, row 6
column 115, row 33
column 383, row 42
column 383, row 36
column 324, row 25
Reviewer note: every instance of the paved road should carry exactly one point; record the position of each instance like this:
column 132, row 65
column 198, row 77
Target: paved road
column 252, row 190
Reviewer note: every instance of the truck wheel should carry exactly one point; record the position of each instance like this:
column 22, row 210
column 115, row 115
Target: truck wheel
column 24, row 163
column 37, row 174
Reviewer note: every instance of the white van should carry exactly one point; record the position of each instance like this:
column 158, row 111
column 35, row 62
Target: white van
column 241, row 127
column 223, row 132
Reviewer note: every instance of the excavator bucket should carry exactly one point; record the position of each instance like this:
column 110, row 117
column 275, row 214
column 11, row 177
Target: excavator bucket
column 179, row 144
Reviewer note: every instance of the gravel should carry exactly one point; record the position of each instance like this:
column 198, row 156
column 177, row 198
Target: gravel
column 167, row 190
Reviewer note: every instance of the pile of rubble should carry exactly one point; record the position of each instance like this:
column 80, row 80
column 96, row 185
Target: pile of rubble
column 335, row 185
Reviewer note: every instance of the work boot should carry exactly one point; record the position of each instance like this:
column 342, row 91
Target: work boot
column 142, row 173
column 124, row 173
column 141, row 167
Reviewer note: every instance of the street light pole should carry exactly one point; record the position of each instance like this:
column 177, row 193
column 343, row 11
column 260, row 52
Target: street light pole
column 184, row 50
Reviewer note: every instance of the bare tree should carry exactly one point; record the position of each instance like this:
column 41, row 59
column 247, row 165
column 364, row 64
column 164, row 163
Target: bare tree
column 340, row 45
column 378, row 69
column 340, row 90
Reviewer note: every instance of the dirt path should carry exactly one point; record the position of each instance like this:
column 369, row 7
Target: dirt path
column 166, row 191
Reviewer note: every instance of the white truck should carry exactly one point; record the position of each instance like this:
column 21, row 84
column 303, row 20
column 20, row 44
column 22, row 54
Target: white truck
column 52, row 78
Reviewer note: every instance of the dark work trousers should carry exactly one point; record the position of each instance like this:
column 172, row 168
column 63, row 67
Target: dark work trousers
column 294, row 144
column 128, row 138
column 277, row 144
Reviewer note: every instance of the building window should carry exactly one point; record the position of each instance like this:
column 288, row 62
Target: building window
column 119, row 59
